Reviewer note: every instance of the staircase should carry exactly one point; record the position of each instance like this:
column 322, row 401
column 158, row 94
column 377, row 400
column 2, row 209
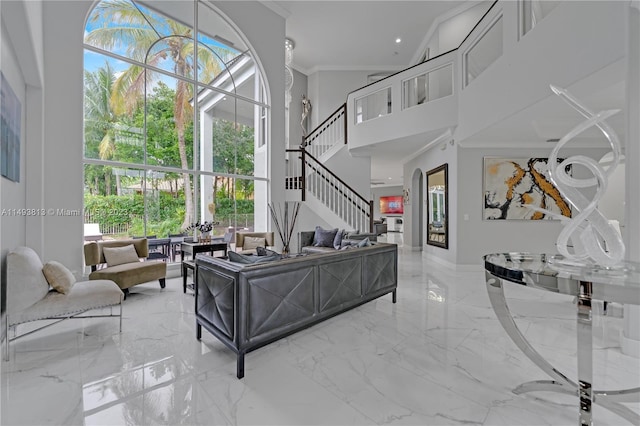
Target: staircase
column 308, row 176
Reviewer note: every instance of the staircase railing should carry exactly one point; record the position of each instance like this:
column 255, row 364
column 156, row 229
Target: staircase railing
column 331, row 132
column 310, row 175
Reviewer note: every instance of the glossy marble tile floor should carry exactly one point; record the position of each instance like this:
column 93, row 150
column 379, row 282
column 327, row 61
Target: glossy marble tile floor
column 438, row 356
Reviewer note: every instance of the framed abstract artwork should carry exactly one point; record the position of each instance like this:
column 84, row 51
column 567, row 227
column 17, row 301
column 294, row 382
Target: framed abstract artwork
column 10, row 111
column 513, row 185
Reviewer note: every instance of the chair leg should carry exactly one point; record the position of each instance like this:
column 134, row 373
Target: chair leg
column 184, row 278
column 163, row 282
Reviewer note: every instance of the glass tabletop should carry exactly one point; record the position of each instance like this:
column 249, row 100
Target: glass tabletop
column 554, row 273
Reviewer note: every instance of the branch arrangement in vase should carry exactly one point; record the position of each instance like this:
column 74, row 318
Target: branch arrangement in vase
column 285, row 221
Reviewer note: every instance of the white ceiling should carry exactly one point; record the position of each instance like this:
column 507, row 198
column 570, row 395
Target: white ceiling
column 359, row 34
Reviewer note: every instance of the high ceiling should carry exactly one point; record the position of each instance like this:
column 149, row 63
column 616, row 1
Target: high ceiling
column 361, row 35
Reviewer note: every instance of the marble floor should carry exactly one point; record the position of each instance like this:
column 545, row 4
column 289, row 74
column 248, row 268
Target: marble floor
column 437, row 357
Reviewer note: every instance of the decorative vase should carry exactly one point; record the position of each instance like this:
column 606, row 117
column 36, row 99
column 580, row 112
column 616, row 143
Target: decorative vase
column 205, row 236
column 285, row 251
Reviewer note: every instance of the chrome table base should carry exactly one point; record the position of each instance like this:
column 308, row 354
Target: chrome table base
column 608, row 399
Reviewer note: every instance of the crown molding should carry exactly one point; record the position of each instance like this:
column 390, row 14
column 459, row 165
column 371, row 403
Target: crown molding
column 390, row 68
column 276, row 7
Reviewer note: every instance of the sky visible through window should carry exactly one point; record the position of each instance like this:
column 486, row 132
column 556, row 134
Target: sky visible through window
column 160, row 25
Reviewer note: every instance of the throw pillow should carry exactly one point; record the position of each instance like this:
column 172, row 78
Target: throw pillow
column 58, row 276
column 252, row 242
column 364, row 243
column 250, row 259
column 120, row 255
column 337, row 241
column 349, row 243
column 324, row 237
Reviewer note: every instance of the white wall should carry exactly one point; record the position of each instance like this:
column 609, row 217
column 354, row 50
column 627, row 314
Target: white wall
column 355, row 171
column 383, row 191
column 21, row 65
column 300, row 87
column 452, row 31
column 548, row 54
column 13, row 194
column 476, row 237
column 426, row 161
column 328, row 90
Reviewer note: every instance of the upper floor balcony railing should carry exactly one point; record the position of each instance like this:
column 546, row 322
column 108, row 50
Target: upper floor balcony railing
column 514, row 62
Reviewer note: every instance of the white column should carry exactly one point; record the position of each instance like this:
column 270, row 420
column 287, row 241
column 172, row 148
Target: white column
column 206, row 164
column 630, row 337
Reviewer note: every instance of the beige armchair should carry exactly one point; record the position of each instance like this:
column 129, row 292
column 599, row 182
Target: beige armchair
column 127, row 274
column 246, row 242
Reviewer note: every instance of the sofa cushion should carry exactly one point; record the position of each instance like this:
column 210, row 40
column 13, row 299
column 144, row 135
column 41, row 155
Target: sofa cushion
column 251, row 243
column 251, row 259
column 120, row 255
column 83, row 296
column 324, row 237
column 130, row 274
column 58, row 276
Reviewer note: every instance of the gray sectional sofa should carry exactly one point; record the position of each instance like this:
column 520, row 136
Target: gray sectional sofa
column 249, row 306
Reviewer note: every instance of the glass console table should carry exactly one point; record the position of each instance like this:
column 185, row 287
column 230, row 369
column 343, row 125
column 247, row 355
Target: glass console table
column 620, row 284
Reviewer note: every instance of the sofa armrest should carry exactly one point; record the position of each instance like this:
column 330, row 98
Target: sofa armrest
column 91, row 254
column 305, row 239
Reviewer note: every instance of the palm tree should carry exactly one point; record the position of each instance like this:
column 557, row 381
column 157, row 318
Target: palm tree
column 124, row 24
column 99, row 117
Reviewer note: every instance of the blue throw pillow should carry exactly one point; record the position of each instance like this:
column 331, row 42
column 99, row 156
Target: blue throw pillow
column 337, row 241
column 364, row 243
column 324, row 237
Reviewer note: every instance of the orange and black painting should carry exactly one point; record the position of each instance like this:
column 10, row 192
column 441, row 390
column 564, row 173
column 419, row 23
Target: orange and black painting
column 513, row 184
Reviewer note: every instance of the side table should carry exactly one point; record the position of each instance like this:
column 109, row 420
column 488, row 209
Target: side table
column 193, row 249
column 587, row 283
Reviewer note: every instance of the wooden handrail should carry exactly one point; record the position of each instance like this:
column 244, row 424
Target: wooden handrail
column 337, row 177
column 348, row 197
column 430, row 59
column 318, row 168
column 343, row 106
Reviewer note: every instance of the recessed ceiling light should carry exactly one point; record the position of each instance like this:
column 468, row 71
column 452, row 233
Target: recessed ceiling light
column 390, row 178
column 398, row 40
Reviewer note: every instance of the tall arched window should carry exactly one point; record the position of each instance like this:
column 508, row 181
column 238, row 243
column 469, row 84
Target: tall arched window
column 176, row 118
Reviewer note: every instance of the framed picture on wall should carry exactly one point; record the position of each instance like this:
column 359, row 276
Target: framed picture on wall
column 391, row 204
column 513, row 185
column 10, row 110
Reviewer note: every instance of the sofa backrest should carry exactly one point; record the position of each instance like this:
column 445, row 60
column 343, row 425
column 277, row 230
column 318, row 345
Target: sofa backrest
column 268, row 236
column 93, row 254
column 26, row 283
column 305, row 239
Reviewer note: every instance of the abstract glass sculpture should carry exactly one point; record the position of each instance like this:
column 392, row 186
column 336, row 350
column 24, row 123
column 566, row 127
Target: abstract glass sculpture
column 587, row 237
